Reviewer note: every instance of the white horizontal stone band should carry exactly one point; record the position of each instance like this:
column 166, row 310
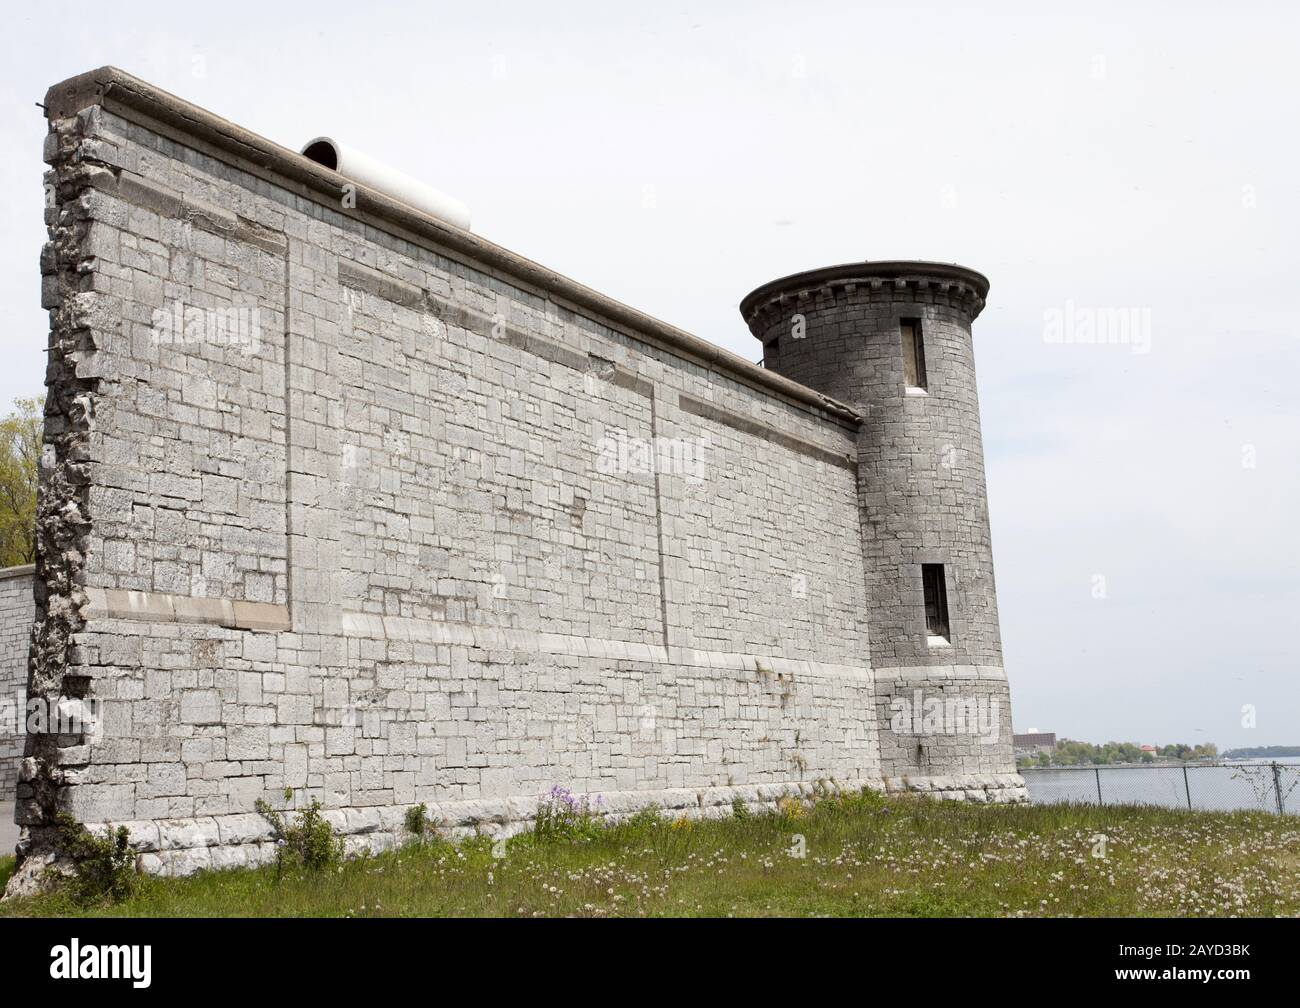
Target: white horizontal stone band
column 403, row 628
column 940, row 673
column 161, row 607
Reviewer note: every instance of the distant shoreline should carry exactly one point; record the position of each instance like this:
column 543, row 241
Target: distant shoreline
column 1168, row 764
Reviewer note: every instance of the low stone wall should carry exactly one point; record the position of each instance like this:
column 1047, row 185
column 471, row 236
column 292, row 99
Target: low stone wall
column 17, row 610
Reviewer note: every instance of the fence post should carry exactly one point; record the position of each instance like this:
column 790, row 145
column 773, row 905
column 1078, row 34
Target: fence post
column 1277, row 787
column 1097, row 771
column 1187, row 787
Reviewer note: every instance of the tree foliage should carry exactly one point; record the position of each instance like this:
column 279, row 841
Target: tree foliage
column 1071, row 753
column 20, row 459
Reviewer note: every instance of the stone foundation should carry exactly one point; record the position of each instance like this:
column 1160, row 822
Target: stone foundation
column 181, row 847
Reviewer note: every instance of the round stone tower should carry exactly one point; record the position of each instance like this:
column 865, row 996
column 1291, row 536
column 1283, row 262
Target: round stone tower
column 893, row 340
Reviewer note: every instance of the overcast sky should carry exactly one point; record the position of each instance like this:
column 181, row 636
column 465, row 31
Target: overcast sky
column 1143, row 494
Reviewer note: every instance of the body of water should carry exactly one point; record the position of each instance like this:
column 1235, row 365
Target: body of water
column 1219, row 787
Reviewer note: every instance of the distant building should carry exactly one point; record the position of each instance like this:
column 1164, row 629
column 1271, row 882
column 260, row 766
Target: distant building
column 1033, row 742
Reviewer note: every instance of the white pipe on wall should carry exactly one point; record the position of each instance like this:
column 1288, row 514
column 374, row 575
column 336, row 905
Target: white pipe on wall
column 389, row 181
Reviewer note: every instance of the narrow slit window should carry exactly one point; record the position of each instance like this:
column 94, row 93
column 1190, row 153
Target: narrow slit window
column 913, row 354
column 936, row 600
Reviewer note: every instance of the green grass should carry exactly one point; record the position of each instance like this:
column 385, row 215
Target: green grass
column 865, row 856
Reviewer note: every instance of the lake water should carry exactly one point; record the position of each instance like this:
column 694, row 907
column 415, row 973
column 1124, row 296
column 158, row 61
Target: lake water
column 1220, row 787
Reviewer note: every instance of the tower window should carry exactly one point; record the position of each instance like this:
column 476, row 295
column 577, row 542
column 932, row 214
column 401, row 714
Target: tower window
column 913, row 354
column 936, row 602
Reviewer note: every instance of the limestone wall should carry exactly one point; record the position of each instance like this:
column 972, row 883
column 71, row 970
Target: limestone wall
column 16, row 611
column 334, row 507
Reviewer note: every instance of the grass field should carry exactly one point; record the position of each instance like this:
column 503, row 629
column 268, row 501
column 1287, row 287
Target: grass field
column 864, row 855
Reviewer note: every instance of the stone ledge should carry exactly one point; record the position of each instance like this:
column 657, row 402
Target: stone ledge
column 141, row 192
column 756, row 428
column 161, row 607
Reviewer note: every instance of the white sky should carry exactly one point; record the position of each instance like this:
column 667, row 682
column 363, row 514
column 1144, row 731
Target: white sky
column 676, row 160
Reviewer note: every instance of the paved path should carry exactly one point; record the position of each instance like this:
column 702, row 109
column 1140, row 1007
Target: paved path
column 8, row 831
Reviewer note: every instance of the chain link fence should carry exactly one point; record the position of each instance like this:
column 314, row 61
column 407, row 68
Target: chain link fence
column 1219, row 787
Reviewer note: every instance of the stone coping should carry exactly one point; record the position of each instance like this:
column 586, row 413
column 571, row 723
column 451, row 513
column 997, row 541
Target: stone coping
column 22, row 570
column 867, row 274
column 149, row 106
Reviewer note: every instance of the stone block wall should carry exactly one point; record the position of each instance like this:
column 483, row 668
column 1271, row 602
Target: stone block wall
column 17, row 609
column 340, row 500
